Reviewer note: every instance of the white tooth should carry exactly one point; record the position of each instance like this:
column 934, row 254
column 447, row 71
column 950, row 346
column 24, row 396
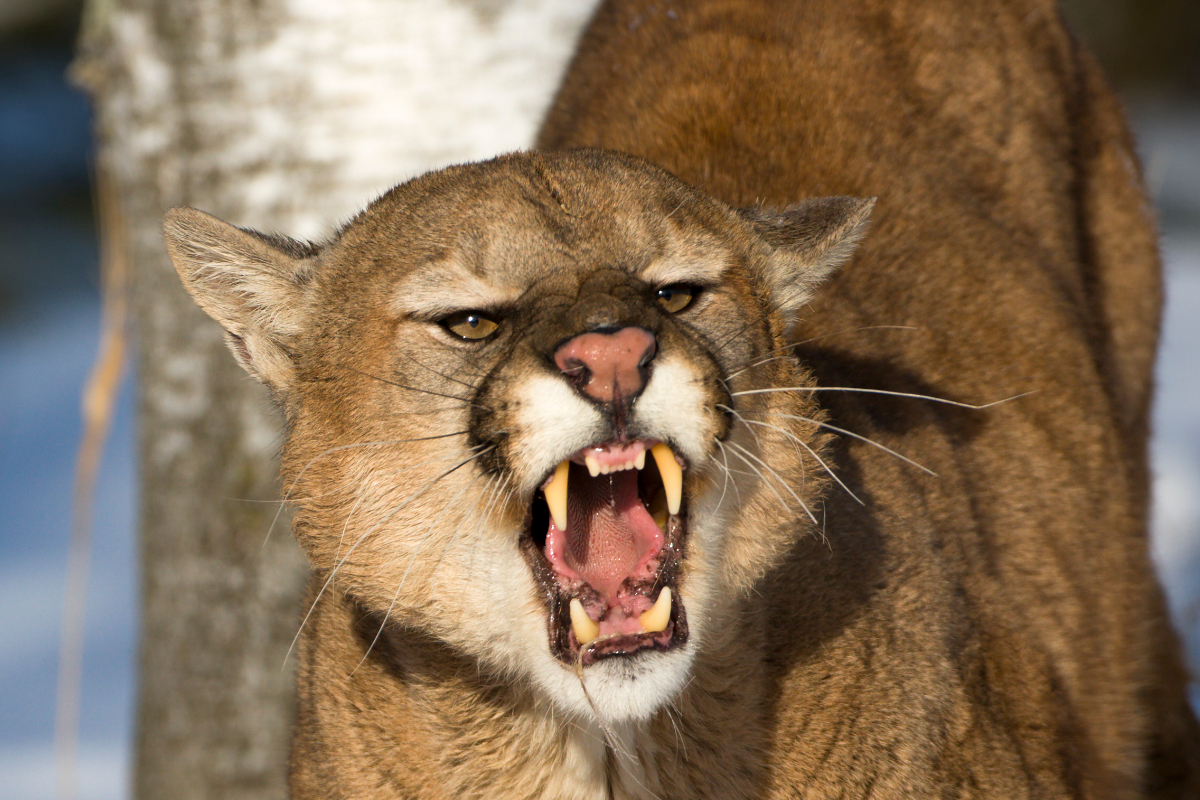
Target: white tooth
column 672, row 475
column 556, row 495
column 585, row 629
column 640, row 461
column 655, row 618
column 592, row 464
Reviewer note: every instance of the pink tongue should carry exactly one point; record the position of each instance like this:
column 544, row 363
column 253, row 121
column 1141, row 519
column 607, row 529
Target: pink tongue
column 610, row 535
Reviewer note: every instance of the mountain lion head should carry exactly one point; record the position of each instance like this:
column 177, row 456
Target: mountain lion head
column 532, row 408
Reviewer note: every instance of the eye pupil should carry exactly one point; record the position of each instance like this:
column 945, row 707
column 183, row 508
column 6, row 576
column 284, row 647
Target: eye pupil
column 470, row 325
column 676, row 298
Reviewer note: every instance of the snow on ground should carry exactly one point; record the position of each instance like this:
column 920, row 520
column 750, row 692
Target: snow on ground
column 44, row 359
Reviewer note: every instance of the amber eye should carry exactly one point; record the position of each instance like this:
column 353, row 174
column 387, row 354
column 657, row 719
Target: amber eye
column 676, row 297
column 471, row 325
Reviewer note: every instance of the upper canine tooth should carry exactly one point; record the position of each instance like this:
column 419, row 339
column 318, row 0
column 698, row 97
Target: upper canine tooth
column 592, row 464
column 556, row 495
column 585, row 629
column 655, row 618
column 672, row 475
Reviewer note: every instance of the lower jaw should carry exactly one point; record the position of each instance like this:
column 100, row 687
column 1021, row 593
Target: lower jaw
column 561, row 640
column 566, row 647
column 629, row 644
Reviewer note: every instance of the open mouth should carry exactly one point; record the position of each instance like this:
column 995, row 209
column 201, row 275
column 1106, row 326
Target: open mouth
column 606, row 537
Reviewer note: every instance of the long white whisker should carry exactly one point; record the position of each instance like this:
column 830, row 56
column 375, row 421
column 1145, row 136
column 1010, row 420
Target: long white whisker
column 759, row 474
column 772, row 354
column 774, row 474
column 725, row 458
column 812, row 452
column 775, row 354
column 506, row 491
column 288, row 494
column 411, row 560
column 746, row 422
column 346, row 524
column 862, row 439
column 883, row 391
column 494, row 493
column 819, row 337
column 367, row 533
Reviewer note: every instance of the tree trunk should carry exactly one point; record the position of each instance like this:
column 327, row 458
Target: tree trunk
column 284, row 115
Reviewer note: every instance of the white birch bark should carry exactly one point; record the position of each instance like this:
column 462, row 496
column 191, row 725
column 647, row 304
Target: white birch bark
column 288, row 116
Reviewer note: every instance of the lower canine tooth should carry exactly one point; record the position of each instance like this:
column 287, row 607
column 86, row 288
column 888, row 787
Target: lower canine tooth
column 671, row 473
column 654, row 619
column 585, row 629
column 556, row 495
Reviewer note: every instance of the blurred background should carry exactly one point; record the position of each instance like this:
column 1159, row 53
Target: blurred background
column 49, row 322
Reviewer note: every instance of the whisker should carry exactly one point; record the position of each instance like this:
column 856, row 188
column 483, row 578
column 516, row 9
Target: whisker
column 775, row 475
column 862, row 439
column 388, row 474
column 787, row 348
column 884, row 392
column 494, row 494
column 725, row 457
column 411, row 560
column 507, row 493
column 287, row 495
column 759, row 474
column 442, row 375
column 346, row 525
column 819, row 337
column 759, row 363
column 758, row 443
column 399, row 385
column 812, row 452
column 367, row 533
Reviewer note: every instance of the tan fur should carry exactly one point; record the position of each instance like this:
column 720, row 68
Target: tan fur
column 994, row 630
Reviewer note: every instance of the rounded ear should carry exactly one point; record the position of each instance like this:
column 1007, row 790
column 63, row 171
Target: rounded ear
column 808, row 241
column 251, row 283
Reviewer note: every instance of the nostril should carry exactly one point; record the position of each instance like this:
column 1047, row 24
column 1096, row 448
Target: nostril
column 576, row 370
column 649, row 355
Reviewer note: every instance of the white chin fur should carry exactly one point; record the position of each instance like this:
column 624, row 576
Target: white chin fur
column 623, row 688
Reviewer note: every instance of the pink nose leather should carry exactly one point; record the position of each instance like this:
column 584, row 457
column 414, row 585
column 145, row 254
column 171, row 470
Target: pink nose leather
column 607, row 366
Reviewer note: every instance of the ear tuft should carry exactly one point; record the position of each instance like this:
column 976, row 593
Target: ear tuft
column 251, row 283
column 809, row 241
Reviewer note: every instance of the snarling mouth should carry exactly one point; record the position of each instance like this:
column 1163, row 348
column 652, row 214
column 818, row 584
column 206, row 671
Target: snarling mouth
column 606, row 536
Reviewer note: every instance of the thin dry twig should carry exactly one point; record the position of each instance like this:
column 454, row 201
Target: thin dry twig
column 98, row 404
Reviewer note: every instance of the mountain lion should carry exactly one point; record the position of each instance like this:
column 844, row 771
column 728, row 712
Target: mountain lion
column 627, row 483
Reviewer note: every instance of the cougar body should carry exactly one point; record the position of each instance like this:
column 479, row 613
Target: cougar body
column 906, row 554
